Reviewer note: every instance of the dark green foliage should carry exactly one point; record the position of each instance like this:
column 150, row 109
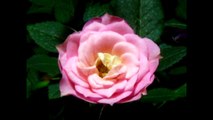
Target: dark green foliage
column 48, row 34
column 44, row 63
column 164, row 94
column 171, row 55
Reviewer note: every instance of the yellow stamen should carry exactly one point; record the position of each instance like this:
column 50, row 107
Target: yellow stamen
column 105, row 62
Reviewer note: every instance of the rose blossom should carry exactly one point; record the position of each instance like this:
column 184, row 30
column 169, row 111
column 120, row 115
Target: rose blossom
column 107, row 62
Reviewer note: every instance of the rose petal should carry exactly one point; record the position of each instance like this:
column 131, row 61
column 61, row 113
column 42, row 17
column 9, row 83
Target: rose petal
column 110, row 91
column 98, row 42
column 80, row 96
column 86, row 51
column 137, row 42
column 116, row 99
column 131, row 83
column 62, row 60
column 153, row 65
column 132, row 64
column 153, row 49
column 105, row 19
column 144, row 67
column 144, row 91
column 72, row 44
column 93, row 83
column 105, row 41
column 66, row 88
column 99, row 81
column 86, row 92
column 147, row 80
column 119, row 27
column 69, row 68
column 94, row 26
column 61, row 49
column 86, row 71
column 96, row 19
column 129, row 59
column 132, row 98
column 124, row 47
column 117, row 72
column 108, row 19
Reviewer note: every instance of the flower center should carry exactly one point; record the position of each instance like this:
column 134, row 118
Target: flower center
column 105, row 62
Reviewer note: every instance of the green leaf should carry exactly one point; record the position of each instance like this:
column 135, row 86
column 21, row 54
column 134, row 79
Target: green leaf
column 181, row 9
column 164, row 46
column 171, row 55
column 53, row 91
column 32, row 80
column 145, row 16
column 64, row 10
column 41, row 84
column 44, row 63
column 96, row 10
column 178, row 70
column 151, row 19
column 176, row 24
column 40, row 50
column 128, row 10
column 41, row 6
column 48, row 34
column 164, row 94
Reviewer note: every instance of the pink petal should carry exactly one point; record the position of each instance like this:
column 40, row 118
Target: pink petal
column 62, row 60
column 66, row 88
column 138, row 42
column 61, row 48
column 129, row 59
column 153, row 64
column 98, row 42
column 96, row 19
column 144, row 91
column 93, row 83
column 105, row 19
column 87, row 35
column 120, row 27
column 91, row 100
column 116, row 99
column 94, row 26
column 86, row 71
column 132, row 64
column 117, row 72
column 125, row 47
column 110, row 91
column 105, row 41
column 153, row 49
column 131, row 83
column 72, row 44
column 86, row 52
column 86, row 92
column 144, row 67
column 99, row 81
column 108, row 19
column 69, row 68
column 147, row 80
column 132, row 98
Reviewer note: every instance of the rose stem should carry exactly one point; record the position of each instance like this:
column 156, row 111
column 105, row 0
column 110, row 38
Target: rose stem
column 101, row 111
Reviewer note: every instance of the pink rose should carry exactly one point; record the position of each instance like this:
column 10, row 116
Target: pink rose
column 107, row 62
